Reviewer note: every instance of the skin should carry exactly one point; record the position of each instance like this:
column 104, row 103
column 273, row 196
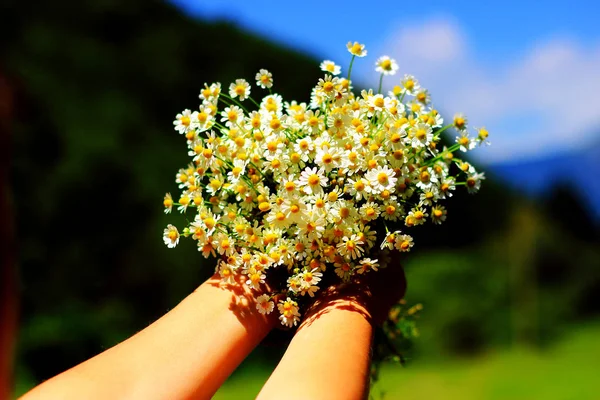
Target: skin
column 170, row 359
column 329, row 356
column 190, row 351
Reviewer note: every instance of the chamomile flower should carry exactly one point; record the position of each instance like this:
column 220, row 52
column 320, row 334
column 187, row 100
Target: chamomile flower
column 389, row 240
column 171, row 236
column 351, row 247
column 168, row 203
column 343, row 269
column 438, row 214
column 226, row 272
column 356, row 49
column 264, row 304
column 416, row 216
column 232, row 116
column 183, row 121
column 289, row 311
column 312, row 180
column 369, row 211
column 380, row 179
column 466, row 143
column 264, row 79
column 409, row 85
column 403, row 243
column 330, row 67
column 474, row 182
column 386, row 65
column 240, row 88
column 366, row 264
column 460, row 122
column 482, row 135
column 255, row 278
column 421, row 135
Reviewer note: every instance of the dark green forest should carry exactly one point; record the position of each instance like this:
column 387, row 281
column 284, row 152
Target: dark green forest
column 96, row 85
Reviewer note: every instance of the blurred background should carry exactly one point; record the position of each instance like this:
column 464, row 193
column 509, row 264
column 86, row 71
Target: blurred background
column 510, row 285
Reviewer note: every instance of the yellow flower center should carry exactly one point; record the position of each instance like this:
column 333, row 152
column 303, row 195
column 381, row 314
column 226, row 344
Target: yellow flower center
column 280, row 216
column 294, row 209
column 185, row 121
column 390, row 210
column 359, row 185
column 215, row 184
column 232, row 116
column 313, row 180
column 210, row 222
column 328, row 87
column 327, row 158
column 240, row 90
column 275, row 123
column 382, row 178
column 459, row 122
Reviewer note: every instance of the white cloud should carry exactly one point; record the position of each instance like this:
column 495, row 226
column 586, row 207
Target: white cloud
column 540, row 101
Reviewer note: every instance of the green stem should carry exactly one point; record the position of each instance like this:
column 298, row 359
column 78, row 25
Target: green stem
column 350, row 67
column 380, row 84
column 235, row 101
column 443, row 129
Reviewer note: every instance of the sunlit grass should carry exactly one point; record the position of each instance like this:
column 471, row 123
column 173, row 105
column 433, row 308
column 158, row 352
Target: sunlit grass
column 568, row 370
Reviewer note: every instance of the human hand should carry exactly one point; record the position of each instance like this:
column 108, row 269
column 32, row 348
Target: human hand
column 371, row 294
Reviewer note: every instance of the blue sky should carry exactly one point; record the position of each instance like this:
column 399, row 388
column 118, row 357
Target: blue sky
column 528, row 71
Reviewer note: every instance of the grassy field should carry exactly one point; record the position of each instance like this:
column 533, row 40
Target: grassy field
column 568, row 370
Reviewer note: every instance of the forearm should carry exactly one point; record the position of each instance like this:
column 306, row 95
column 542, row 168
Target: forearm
column 328, row 358
column 187, row 353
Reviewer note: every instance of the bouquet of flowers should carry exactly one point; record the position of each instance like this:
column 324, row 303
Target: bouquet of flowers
column 316, row 189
